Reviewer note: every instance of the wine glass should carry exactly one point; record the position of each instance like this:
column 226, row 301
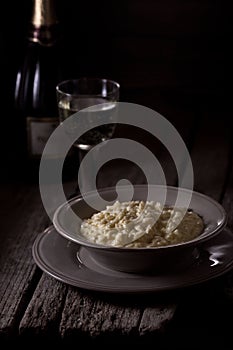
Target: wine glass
column 100, row 97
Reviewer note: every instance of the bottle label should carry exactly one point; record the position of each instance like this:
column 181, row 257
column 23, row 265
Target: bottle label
column 39, row 131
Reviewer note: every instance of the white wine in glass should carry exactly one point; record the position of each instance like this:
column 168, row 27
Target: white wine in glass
column 99, row 96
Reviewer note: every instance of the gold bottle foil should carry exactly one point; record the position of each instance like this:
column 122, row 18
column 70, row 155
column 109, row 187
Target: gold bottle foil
column 44, row 13
column 44, row 29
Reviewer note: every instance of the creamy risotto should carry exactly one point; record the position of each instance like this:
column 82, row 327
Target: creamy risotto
column 138, row 224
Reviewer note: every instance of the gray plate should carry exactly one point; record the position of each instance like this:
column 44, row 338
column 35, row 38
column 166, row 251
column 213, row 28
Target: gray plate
column 72, row 264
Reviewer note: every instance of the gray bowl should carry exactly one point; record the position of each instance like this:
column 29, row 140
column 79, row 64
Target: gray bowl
column 142, row 260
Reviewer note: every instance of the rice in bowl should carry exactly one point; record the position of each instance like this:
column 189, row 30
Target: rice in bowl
column 141, row 224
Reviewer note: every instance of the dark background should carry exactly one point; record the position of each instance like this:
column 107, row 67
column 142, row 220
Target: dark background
column 169, row 55
column 169, row 47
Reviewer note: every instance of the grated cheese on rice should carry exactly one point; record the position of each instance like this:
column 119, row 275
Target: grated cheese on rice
column 138, row 224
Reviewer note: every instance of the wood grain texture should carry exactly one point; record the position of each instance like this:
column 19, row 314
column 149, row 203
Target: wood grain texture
column 155, row 319
column 227, row 203
column 19, row 273
column 227, row 200
column 211, row 160
column 43, row 313
column 92, row 315
column 152, row 48
column 85, row 314
column 52, row 312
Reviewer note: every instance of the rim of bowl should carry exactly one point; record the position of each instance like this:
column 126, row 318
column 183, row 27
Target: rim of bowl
column 88, row 244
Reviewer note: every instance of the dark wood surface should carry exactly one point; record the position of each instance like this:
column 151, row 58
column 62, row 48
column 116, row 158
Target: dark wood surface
column 35, row 305
column 174, row 57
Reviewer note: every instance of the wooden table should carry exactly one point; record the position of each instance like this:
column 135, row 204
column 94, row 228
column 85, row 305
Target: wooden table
column 34, row 305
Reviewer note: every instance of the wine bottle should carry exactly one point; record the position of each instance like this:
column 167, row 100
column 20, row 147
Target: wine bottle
column 35, row 86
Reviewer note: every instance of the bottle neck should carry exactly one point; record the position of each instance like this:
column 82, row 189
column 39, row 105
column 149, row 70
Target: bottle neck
column 44, row 26
column 45, row 36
